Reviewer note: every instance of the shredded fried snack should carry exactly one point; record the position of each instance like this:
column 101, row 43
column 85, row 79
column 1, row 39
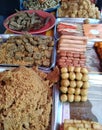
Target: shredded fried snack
column 25, row 100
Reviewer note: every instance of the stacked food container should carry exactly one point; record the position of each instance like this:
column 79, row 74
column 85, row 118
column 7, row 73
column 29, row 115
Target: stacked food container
column 52, row 82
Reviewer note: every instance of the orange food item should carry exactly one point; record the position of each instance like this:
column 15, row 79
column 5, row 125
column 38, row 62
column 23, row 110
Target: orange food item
column 98, row 46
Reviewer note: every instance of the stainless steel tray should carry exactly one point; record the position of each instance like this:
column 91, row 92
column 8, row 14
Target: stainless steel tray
column 72, row 20
column 57, row 16
column 53, row 58
column 51, row 9
column 92, row 109
column 55, row 106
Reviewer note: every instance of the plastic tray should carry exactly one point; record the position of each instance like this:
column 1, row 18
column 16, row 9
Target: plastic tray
column 49, row 25
column 53, row 58
column 72, row 20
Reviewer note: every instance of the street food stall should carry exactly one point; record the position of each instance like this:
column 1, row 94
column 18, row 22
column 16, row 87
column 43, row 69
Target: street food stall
column 51, row 67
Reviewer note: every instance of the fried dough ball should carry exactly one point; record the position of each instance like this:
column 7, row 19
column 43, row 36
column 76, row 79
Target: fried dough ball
column 85, row 77
column 65, row 82
column 64, row 70
column 84, row 71
column 73, row 84
column 79, row 84
column 84, row 98
column 63, row 97
column 77, row 98
column 63, row 89
column 77, row 69
column 64, row 75
column 71, row 90
column 72, row 76
column 70, row 97
column 86, row 84
column 77, row 91
column 71, row 68
column 84, row 92
column 79, row 76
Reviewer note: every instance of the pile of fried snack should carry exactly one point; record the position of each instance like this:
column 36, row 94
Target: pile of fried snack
column 81, row 125
column 78, row 9
column 25, row 99
column 27, row 50
column 40, row 4
column 74, row 84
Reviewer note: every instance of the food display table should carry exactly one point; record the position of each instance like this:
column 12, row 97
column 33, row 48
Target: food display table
column 90, row 110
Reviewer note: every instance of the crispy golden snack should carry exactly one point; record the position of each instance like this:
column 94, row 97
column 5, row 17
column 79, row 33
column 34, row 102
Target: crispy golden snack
column 25, row 100
column 81, row 125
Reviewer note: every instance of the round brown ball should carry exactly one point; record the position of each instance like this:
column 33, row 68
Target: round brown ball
column 64, row 70
column 84, row 98
column 78, row 76
column 85, row 77
column 65, row 82
column 79, row 84
column 70, row 97
column 64, row 75
column 71, row 68
column 86, row 84
column 77, row 91
column 71, row 90
column 72, row 76
column 77, row 98
column 84, row 71
column 73, row 83
column 63, row 97
column 63, row 89
column 84, row 92
column 77, row 69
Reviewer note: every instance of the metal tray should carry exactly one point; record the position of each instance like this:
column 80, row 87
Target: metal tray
column 72, row 20
column 53, row 58
column 55, row 101
column 89, row 110
column 57, row 16
column 47, row 10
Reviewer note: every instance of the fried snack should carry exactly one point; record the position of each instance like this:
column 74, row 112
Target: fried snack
column 98, row 47
column 81, row 125
column 74, row 84
column 25, row 21
column 27, row 50
column 40, row 4
column 25, row 100
column 78, row 9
